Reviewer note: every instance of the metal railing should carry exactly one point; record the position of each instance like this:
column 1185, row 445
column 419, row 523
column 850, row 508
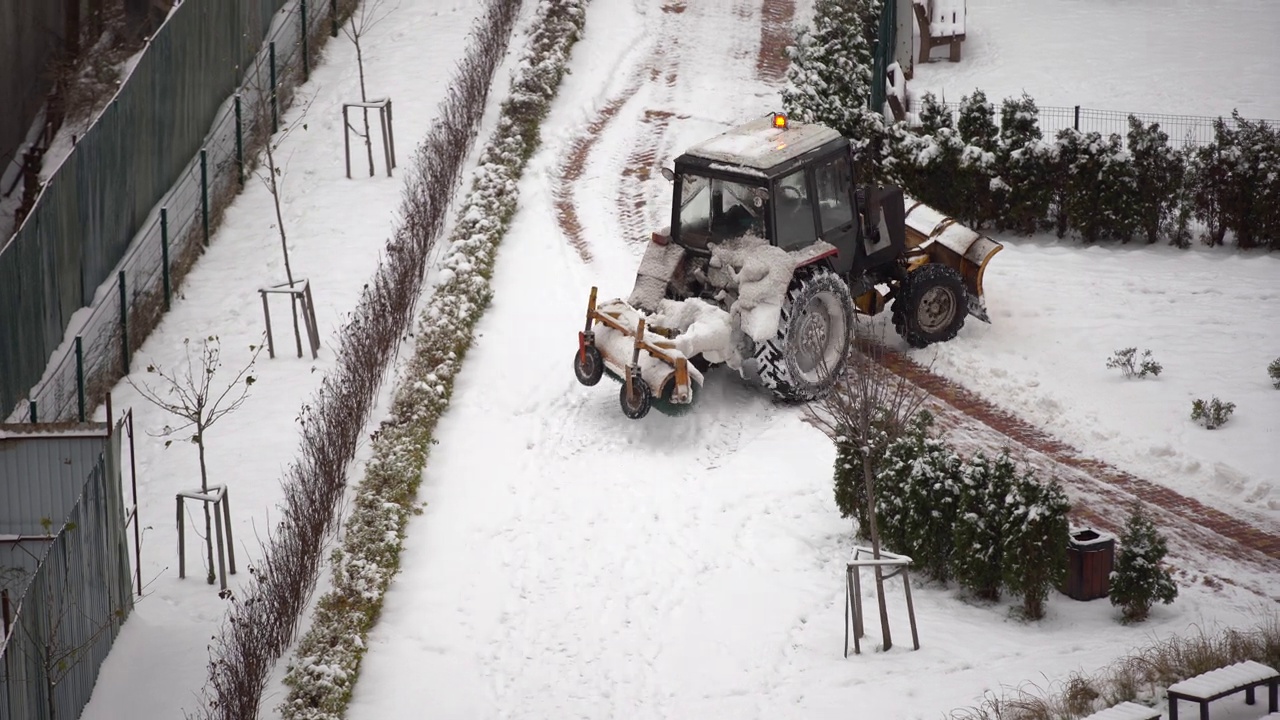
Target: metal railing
column 1183, row 130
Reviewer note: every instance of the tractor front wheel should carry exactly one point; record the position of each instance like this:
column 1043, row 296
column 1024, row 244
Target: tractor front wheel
column 588, row 365
column 635, row 404
column 930, row 305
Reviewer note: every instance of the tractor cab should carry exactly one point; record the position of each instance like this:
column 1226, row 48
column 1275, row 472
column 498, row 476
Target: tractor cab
column 788, row 183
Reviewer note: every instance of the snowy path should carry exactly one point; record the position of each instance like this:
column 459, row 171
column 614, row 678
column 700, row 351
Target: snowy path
column 572, row 563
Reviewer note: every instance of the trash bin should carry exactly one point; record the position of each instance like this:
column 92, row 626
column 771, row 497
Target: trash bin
column 1090, row 558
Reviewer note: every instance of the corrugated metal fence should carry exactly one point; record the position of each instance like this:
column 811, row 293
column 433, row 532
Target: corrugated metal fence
column 1183, row 130
column 62, row 626
column 172, row 139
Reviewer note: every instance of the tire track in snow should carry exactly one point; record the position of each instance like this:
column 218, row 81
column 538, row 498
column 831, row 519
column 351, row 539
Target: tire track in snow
column 660, row 62
column 570, row 172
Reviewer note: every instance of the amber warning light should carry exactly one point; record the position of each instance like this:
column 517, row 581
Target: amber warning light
column 780, row 121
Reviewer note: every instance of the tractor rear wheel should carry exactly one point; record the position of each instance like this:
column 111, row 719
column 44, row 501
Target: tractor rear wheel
column 588, row 365
column 930, row 305
column 808, row 354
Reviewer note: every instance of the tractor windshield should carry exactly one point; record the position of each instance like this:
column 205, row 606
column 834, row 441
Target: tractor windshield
column 714, row 210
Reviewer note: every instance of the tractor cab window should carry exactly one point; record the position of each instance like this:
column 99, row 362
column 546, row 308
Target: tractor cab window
column 834, row 181
column 714, row 210
column 794, row 206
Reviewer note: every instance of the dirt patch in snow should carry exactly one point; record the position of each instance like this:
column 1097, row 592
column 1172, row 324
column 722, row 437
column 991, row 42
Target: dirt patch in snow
column 573, row 167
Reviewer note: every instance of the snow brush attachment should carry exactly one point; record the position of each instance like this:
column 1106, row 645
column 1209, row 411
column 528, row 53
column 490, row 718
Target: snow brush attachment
column 646, row 361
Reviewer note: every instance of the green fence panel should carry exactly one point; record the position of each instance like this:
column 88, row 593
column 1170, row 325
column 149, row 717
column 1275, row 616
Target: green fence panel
column 105, row 192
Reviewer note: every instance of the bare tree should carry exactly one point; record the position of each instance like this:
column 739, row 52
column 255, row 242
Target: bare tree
column 868, row 407
column 368, row 14
column 192, row 396
column 272, row 175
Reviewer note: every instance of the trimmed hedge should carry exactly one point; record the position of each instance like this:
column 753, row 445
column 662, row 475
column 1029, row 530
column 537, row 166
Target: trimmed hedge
column 327, row 662
column 1095, row 187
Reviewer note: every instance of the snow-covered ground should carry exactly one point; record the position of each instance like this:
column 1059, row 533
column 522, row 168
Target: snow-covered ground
column 574, row 563
column 1180, row 57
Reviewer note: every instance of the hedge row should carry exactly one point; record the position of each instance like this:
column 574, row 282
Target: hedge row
column 327, row 662
column 1003, row 173
column 1009, row 176
column 975, row 520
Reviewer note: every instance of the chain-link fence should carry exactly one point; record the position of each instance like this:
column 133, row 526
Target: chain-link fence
column 93, row 267
column 1183, row 130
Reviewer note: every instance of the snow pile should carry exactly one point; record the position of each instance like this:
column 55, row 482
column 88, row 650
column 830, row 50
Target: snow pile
column 759, row 274
column 618, row 348
column 705, row 329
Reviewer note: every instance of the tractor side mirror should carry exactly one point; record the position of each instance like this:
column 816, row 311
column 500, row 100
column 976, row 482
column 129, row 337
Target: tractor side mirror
column 668, row 174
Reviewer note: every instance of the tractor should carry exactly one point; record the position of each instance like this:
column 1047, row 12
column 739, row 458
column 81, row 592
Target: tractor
column 772, row 251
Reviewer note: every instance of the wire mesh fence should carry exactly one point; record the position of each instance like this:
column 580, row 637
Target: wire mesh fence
column 60, row 351
column 1183, row 130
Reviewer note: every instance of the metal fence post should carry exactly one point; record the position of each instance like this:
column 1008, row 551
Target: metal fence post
column 306, row 61
column 275, row 112
column 204, row 194
column 239, row 143
column 164, row 255
column 333, row 18
column 80, row 376
column 1076, row 123
column 124, row 323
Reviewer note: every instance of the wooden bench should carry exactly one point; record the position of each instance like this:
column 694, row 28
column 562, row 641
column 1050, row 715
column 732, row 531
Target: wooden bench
column 1126, row 711
column 1246, row 676
column 941, row 23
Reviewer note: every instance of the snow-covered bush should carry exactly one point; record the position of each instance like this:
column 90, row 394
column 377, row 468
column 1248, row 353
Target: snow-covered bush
column 1212, row 414
column 1126, row 360
column 1273, row 370
column 850, row 488
column 979, row 179
column 327, row 660
column 1035, row 542
column 919, row 489
column 1157, row 175
column 1026, row 165
column 933, row 115
column 1210, row 182
column 1252, row 200
column 829, row 79
column 1096, row 187
column 1139, row 580
column 981, row 523
column 977, row 121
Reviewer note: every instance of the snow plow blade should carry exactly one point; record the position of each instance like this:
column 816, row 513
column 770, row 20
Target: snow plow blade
column 947, row 241
column 646, row 361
